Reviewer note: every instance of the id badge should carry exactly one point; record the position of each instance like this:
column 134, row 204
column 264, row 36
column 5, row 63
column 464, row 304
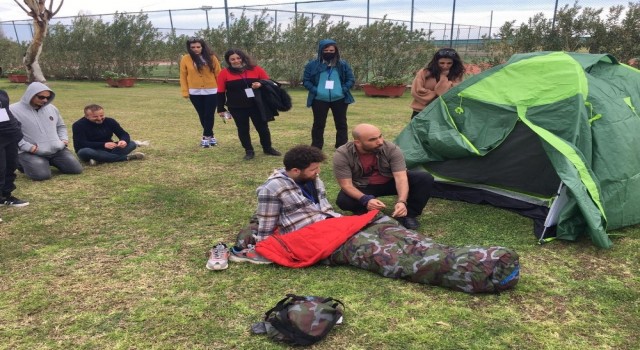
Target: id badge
column 4, row 116
column 328, row 85
column 249, row 92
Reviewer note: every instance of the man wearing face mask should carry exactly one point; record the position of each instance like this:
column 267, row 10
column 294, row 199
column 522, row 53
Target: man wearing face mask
column 328, row 79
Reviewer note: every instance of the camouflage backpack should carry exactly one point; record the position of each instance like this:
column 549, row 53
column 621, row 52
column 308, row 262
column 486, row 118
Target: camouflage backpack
column 301, row 320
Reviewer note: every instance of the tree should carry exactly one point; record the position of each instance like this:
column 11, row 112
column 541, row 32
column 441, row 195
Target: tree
column 41, row 17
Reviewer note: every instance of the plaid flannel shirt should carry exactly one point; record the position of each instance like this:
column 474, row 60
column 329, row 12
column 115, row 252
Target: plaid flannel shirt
column 282, row 205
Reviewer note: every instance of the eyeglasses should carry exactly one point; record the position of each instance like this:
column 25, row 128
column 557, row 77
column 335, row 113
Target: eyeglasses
column 40, row 97
column 447, row 53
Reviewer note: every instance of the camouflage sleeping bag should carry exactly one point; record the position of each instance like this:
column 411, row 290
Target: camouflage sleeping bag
column 389, row 249
column 393, row 251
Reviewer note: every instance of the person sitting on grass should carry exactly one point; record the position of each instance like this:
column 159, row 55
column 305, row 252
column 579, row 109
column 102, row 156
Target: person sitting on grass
column 290, row 199
column 93, row 138
column 370, row 167
column 45, row 139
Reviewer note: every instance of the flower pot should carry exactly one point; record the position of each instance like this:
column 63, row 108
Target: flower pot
column 122, row 82
column 387, row 91
column 17, row 78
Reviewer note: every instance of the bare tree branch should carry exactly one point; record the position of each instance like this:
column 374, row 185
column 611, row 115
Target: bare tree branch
column 23, row 9
column 58, row 9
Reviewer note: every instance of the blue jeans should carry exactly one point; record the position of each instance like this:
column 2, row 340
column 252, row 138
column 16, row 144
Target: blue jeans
column 106, row 155
column 38, row 167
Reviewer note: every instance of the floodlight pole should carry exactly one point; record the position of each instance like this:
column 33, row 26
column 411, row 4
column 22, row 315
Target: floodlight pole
column 490, row 24
column 553, row 23
column 453, row 17
column 226, row 17
column 411, row 23
column 206, row 9
column 367, row 13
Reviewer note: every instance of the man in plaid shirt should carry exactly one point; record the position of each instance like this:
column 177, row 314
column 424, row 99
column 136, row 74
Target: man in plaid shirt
column 290, row 199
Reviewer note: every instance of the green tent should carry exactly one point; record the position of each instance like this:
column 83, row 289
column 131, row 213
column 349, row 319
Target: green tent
column 552, row 135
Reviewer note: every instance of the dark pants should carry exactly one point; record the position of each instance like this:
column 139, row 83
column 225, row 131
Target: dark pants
column 8, row 165
column 106, row 155
column 320, row 111
column 241, row 117
column 420, row 184
column 205, row 105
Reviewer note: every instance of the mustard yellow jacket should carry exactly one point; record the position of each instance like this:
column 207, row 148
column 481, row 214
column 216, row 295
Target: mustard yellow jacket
column 191, row 78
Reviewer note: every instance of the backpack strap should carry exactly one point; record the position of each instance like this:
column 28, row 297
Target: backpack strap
column 335, row 304
column 289, row 299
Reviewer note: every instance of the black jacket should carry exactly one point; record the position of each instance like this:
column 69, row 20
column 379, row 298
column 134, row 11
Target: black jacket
column 10, row 129
column 271, row 98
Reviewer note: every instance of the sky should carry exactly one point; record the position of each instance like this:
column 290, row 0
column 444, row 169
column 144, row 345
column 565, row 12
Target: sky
column 471, row 12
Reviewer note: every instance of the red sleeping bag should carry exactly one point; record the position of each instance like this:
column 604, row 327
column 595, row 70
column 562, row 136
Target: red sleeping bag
column 312, row 243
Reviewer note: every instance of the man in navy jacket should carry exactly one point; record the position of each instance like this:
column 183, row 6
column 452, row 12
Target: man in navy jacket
column 93, row 138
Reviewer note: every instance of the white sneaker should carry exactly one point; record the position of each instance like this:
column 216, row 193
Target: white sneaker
column 141, row 143
column 218, row 257
column 93, row 162
column 204, row 143
column 213, row 141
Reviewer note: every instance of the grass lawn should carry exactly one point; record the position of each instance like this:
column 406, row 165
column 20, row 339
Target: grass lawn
column 114, row 258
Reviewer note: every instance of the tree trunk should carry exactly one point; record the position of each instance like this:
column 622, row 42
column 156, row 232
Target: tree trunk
column 32, row 55
column 41, row 16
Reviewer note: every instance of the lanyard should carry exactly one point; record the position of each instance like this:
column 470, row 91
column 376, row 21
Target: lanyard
column 330, row 71
column 244, row 77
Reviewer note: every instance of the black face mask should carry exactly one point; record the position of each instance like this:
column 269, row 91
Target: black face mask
column 328, row 56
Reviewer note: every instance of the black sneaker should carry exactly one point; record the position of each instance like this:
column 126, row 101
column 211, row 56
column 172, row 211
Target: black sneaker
column 410, row 223
column 272, row 152
column 12, row 201
column 249, row 155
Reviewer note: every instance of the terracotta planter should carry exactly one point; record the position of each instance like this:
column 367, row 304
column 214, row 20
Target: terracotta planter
column 122, row 82
column 387, row 91
column 17, row 78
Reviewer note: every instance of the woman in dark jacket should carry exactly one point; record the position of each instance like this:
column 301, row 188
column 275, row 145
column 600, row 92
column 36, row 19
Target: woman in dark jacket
column 328, row 79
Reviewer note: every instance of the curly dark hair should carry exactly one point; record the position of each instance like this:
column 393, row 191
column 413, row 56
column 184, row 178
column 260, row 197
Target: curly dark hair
column 206, row 54
column 301, row 157
column 249, row 63
column 457, row 69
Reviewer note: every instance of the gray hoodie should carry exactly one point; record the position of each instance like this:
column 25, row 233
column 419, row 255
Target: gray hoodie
column 43, row 127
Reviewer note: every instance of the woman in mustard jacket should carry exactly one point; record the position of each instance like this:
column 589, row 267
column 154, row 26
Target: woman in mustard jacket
column 199, row 71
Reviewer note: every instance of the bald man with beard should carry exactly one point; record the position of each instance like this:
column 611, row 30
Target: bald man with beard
column 370, row 167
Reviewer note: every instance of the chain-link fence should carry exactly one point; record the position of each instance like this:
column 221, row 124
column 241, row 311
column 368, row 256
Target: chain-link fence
column 460, row 24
